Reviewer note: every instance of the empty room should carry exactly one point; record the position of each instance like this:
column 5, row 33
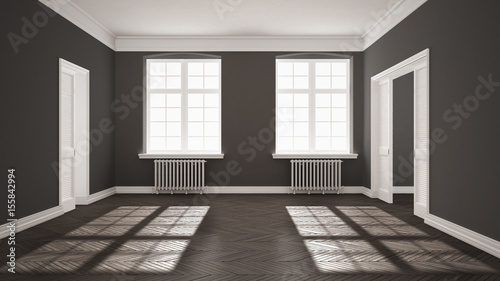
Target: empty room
column 250, row 140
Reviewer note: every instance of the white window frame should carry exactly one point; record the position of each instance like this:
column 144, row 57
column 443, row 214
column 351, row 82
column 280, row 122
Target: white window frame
column 312, row 153
column 184, row 153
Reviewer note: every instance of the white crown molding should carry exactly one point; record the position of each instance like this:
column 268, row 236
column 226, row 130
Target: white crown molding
column 77, row 16
column 95, row 196
column 238, row 44
column 473, row 238
column 396, row 14
column 32, row 220
column 81, row 19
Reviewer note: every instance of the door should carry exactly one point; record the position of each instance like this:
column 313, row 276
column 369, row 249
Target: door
column 384, row 181
column 73, row 129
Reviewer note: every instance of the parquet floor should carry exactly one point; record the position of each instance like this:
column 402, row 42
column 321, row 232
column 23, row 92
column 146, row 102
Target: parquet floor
column 244, row 237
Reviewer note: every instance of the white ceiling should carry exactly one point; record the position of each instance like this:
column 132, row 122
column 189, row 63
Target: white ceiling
column 330, row 18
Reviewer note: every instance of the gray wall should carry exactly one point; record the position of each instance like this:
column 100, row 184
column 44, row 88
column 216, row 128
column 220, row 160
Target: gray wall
column 463, row 40
column 403, row 130
column 248, row 102
column 30, row 103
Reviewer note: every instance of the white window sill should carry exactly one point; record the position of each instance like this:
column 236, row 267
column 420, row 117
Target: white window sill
column 181, row 156
column 316, row 156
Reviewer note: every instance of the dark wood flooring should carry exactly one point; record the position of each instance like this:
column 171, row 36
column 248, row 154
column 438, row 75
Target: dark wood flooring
column 244, row 237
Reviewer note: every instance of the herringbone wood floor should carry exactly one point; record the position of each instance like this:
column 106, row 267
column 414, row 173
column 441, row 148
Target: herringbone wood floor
column 244, row 237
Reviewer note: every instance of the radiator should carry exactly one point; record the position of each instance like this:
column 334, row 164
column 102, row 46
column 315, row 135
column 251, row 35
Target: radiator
column 179, row 175
column 316, row 175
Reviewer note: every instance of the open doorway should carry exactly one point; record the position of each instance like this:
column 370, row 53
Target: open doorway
column 383, row 152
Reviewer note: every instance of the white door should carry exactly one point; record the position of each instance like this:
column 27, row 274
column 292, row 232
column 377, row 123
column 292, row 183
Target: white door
column 384, row 182
column 73, row 145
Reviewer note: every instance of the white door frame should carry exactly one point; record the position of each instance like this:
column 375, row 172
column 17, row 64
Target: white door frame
column 419, row 65
column 81, row 129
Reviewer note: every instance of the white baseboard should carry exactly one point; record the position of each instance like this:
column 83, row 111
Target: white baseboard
column 243, row 190
column 403, row 189
column 473, row 238
column 32, row 220
column 95, row 196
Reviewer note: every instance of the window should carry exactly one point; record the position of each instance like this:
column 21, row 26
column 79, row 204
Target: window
column 183, row 112
column 313, row 107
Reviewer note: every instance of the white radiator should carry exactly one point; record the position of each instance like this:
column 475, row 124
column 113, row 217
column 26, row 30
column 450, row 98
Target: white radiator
column 316, row 175
column 179, row 175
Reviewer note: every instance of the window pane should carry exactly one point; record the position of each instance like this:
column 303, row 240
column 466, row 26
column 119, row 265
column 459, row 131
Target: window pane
column 195, row 114
column 301, row 100
column 301, row 129
column 173, row 82
column 195, row 68
column 339, row 83
column 339, row 68
column 285, row 82
column 323, row 68
column 174, row 114
column 157, row 82
column 301, row 143
column 157, row 114
column 157, row 68
column 195, row 100
column 285, row 144
column 285, row 100
column 212, row 114
column 211, row 82
column 339, row 114
column 195, row 129
column 285, row 130
column 195, row 143
column 323, row 83
column 323, row 114
column 285, row 68
column 339, row 130
column 301, row 114
column 173, row 129
column 211, row 100
column 212, row 143
column 173, row 100
column 212, row 129
column 301, row 83
column 323, row 129
column 285, row 114
column 211, row 68
column 157, row 129
column 339, row 144
column 157, row 143
column 195, row 83
column 339, row 100
column 157, row 100
column 174, row 68
column 323, row 143
column 173, row 144
column 301, row 68
column 323, row 100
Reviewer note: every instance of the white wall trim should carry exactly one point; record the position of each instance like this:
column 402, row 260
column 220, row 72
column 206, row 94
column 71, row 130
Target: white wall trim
column 180, row 156
column 395, row 15
column 403, row 189
column 95, row 196
column 73, row 13
column 238, row 44
column 473, row 238
column 316, row 156
column 242, row 190
column 32, row 220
